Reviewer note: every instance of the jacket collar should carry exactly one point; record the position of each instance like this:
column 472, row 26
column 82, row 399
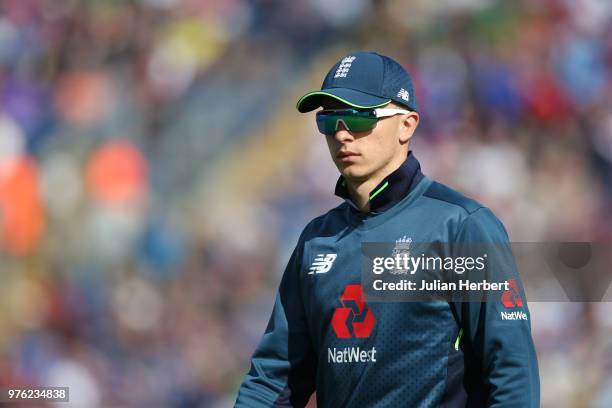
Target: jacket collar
column 391, row 189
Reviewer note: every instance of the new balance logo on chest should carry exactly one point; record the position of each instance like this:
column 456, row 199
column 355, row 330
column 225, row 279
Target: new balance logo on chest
column 322, row 263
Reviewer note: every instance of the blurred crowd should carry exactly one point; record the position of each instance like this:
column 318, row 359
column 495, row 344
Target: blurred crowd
column 155, row 175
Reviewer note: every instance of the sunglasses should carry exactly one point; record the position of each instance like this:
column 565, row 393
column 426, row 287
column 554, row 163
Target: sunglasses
column 354, row 120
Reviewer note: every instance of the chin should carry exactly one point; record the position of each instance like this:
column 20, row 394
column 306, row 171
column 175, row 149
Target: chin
column 354, row 172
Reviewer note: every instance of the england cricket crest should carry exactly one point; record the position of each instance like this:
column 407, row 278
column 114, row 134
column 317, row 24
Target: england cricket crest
column 401, row 248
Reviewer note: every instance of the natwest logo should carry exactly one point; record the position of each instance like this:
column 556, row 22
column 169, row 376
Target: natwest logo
column 353, row 310
column 513, row 315
column 351, row 355
column 512, row 298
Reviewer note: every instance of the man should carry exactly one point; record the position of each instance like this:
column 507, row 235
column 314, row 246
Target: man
column 323, row 336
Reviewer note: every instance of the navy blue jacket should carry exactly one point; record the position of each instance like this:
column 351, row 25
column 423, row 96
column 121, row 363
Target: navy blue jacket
column 390, row 354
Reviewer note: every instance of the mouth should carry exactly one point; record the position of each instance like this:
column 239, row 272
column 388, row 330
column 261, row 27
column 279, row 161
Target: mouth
column 347, row 155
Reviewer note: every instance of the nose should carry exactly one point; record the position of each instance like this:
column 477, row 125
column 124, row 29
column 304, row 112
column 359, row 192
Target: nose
column 342, row 133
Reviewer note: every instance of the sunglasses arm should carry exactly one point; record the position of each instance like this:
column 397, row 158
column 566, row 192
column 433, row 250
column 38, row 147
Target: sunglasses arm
column 381, row 113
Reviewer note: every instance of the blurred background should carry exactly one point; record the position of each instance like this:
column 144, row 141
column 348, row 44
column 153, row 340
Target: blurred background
column 155, row 175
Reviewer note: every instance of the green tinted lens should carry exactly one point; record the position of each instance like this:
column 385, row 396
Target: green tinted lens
column 353, row 120
column 360, row 124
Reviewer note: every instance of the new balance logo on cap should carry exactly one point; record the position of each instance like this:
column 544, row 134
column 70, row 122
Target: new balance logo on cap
column 322, row 263
column 344, row 67
column 403, row 94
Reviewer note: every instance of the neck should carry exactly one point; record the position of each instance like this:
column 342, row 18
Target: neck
column 360, row 190
column 360, row 193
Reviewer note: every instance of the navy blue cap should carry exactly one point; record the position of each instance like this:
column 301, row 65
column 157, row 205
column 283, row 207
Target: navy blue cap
column 363, row 80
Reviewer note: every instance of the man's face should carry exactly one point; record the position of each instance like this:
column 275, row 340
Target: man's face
column 360, row 156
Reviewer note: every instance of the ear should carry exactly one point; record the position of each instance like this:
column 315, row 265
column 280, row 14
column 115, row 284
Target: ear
column 407, row 126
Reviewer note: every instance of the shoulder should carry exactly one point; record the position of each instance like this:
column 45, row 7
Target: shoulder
column 327, row 224
column 472, row 217
column 450, row 199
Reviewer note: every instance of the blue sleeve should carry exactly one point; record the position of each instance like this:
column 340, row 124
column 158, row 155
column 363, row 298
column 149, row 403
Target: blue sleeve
column 502, row 347
column 283, row 367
